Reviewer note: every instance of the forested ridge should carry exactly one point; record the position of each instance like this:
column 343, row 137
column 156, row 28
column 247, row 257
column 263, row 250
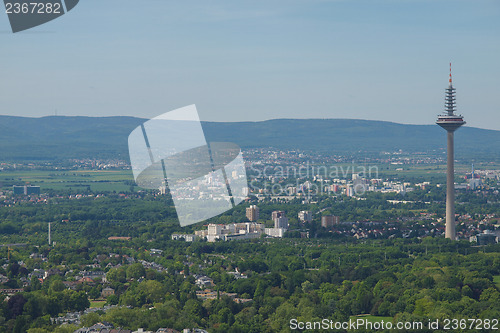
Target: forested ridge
column 58, row 138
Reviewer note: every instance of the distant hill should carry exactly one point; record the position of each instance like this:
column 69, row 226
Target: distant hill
column 54, row 137
column 60, row 137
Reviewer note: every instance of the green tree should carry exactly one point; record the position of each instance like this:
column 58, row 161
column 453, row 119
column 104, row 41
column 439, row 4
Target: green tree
column 135, row 271
column 117, row 275
column 78, row 301
column 57, row 286
column 94, row 293
column 90, row 319
column 65, row 329
column 112, row 300
column 37, row 330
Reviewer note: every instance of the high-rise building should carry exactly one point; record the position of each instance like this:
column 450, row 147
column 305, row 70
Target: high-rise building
column 252, row 213
column 214, row 229
column 305, row 216
column 280, row 220
column 450, row 122
column 349, row 190
column 359, row 184
column 214, row 232
column 163, row 187
column 277, row 213
column 328, row 221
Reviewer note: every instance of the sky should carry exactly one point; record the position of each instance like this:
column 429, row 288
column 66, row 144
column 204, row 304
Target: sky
column 258, row 60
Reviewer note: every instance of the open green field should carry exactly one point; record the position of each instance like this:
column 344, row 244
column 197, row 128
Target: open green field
column 97, row 180
column 425, row 171
column 97, row 304
column 496, row 280
column 371, row 319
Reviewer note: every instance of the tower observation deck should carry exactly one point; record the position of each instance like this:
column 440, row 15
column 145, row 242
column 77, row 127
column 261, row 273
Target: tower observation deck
column 449, row 120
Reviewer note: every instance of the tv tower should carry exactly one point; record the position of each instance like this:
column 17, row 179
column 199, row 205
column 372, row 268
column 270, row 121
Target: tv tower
column 450, row 122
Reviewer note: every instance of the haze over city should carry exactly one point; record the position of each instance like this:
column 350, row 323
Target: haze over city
column 249, row 61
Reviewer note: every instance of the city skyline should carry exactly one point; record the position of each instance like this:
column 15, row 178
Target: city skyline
column 378, row 60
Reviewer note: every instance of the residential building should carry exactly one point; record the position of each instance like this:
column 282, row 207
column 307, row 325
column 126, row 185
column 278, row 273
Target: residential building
column 186, row 237
column 155, row 252
column 275, row 232
column 252, row 213
column 305, row 216
column 107, row 292
column 276, row 214
column 280, row 220
column 487, row 237
column 328, row 221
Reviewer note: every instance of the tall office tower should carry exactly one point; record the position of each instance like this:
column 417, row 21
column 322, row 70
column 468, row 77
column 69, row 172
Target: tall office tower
column 252, row 213
column 450, row 122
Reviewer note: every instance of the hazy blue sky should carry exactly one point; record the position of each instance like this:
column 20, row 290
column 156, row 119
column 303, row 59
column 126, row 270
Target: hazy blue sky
column 257, row 60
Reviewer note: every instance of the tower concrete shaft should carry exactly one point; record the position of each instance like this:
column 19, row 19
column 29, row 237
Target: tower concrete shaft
column 450, row 189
